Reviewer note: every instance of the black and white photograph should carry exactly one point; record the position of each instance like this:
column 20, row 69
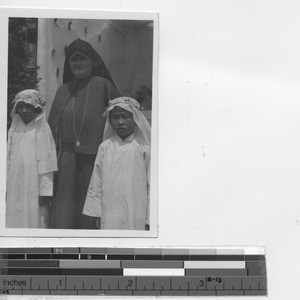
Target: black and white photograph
column 81, row 124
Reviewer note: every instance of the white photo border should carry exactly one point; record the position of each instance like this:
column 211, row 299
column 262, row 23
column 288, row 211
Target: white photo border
column 10, row 12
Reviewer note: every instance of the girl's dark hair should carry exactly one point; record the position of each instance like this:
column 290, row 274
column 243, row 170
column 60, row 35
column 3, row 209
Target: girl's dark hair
column 109, row 114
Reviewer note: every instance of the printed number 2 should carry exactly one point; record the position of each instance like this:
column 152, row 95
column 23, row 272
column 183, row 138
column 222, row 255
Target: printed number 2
column 130, row 282
column 201, row 283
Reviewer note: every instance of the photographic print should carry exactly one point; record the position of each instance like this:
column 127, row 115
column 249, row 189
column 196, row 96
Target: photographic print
column 81, row 126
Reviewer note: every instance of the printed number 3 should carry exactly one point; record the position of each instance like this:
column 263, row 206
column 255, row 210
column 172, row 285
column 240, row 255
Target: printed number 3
column 201, row 283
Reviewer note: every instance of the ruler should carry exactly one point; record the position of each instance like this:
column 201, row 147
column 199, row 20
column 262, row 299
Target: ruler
column 132, row 271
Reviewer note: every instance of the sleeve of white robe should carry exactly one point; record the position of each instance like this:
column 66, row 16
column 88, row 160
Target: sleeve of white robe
column 46, row 184
column 92, row 205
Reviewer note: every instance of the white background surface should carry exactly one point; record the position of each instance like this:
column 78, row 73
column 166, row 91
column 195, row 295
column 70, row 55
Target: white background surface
column 229, row 124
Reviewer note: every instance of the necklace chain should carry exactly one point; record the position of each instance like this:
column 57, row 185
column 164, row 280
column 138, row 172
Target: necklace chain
column 83, row 116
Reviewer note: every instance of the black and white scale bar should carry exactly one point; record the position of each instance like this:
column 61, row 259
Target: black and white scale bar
column 130, row 271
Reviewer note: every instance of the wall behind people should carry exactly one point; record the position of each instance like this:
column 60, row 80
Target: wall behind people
column 126, row 47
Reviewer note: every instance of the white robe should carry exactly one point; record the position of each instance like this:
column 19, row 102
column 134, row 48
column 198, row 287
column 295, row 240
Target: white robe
column 30, row 162
column 118, row 190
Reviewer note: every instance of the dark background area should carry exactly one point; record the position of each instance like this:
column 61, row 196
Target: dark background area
column 22, row 67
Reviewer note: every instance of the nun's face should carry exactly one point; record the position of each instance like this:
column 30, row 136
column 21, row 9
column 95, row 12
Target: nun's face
column 81, row 66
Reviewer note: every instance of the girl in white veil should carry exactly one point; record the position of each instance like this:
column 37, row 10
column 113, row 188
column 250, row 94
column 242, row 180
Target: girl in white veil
column 31, row 161
column 119, row 188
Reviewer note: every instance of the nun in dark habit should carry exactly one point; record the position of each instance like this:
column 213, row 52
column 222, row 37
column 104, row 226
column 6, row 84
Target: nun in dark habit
column 77, row 123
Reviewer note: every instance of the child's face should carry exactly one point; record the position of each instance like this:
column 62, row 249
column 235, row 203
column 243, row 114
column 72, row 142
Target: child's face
column 26, row 111
column 122, row 122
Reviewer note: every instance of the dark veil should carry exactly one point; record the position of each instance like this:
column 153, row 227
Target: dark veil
column 81, row 46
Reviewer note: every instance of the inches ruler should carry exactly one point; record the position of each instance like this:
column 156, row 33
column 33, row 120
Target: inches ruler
column 132, row 271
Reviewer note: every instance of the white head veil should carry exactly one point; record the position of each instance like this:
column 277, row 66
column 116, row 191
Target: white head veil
column 45, row 146
column 30, row 97
column 142, row 129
